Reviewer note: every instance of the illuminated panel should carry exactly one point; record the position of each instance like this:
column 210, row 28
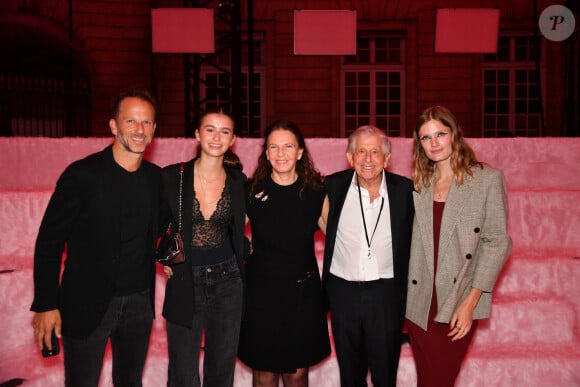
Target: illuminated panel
column 466, row 30
column 324, row 32
column 182, row 30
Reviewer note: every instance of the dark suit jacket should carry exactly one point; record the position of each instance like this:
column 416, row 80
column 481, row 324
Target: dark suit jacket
column 178, row 304
column 83, row 215
column 400, row 191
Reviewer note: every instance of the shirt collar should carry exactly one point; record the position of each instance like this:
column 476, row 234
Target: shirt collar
column 382, row 191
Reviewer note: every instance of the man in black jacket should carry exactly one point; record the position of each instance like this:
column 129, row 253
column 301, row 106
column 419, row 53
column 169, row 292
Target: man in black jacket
column 104, row 213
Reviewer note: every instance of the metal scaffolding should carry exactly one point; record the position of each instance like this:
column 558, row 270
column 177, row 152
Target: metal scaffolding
column 228, row 41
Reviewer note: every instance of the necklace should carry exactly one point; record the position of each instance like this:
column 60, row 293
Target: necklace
column 205, row 180
column 211, row 197
column 369, row 241
column 441, row 188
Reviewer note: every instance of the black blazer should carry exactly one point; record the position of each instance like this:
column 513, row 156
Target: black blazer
column 178, row 303
column 400, row 191
column 83, row 215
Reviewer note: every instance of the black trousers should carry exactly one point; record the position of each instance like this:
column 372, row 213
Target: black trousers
column 127, row 323
column 367, row 321
column 217, row 315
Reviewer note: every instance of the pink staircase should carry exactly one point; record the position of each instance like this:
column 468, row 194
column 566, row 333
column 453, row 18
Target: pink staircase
column 532, row 339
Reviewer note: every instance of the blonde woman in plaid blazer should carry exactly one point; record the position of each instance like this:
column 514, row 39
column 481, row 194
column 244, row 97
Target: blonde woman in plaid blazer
column 458, row 249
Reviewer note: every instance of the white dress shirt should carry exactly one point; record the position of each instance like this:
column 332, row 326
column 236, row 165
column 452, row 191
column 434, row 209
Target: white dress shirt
column 352, row 259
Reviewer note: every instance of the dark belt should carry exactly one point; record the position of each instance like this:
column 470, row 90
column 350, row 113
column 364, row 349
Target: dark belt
column 354, row 283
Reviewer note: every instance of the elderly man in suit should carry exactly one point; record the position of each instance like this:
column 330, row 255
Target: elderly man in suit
column 368, row 218
column 104, row 213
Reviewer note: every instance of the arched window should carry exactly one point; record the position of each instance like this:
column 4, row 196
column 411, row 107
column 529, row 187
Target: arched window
column 44, row 87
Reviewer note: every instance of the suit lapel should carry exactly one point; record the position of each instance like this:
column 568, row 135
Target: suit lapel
column 109, row 193
column 340, row 196
column 337, row 194
column 395, row 215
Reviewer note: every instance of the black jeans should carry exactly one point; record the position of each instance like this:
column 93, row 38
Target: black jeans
column 127, row 322
column 218, row 314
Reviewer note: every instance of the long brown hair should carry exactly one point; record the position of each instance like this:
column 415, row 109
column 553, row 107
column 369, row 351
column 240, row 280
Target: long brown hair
column 462, row 158
column 304, row 167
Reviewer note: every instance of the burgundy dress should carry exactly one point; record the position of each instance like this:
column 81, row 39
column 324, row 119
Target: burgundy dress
column 437, row 359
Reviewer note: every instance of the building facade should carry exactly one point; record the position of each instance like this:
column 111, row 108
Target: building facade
column 68, row 58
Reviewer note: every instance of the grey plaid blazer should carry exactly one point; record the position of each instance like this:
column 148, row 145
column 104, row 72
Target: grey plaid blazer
column 473, row 246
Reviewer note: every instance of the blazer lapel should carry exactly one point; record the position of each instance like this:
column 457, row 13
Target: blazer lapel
column 187, row 202
column 424, row 216
column 456, row 199
column 395, row 211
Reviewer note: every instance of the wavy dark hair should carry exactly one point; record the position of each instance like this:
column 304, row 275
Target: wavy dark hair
column 310, row 176
column 462, row 158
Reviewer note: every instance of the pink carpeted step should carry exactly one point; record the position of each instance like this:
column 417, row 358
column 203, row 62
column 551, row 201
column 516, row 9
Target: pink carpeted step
column 486, row 365
column 552, row 359
column 528, row 320
column 542, row 274
column 530, row 365
column 550, row 273
column 21, row 213
column 545, row 220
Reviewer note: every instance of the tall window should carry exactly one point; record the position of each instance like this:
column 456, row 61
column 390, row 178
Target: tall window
column 511, row 95
column 214, row 89
column 373, row 85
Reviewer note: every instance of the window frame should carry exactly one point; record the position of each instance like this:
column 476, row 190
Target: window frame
column 512, row 66
column 373, row 69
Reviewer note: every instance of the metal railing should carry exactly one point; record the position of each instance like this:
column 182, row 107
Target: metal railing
column 34, row 105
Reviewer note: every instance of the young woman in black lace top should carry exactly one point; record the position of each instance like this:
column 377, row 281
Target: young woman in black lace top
column 204, row 294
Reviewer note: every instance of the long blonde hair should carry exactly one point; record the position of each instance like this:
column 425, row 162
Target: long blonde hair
column 462, row 158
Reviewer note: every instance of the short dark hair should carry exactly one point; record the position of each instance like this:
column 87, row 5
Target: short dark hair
column 132, row 93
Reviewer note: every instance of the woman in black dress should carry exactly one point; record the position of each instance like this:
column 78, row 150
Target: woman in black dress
column 284, row 330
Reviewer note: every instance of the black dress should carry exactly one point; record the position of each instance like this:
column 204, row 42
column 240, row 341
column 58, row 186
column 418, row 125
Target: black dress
column 285, row 325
